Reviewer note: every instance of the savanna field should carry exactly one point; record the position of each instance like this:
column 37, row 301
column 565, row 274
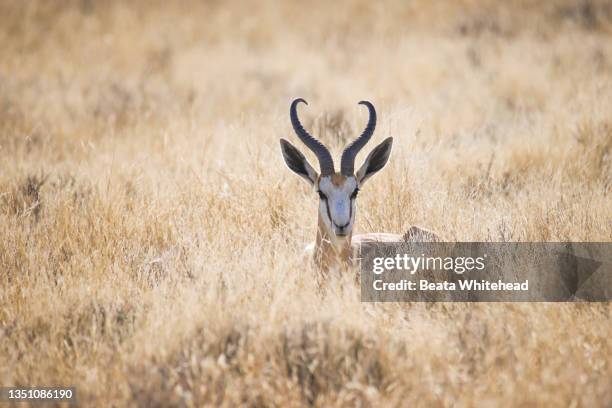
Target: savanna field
column 151, row 236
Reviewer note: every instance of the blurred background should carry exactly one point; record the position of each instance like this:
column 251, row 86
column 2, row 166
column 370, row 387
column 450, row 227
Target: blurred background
column 107, row 61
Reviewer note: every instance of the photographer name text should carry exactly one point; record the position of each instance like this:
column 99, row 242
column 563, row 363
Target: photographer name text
column 463, row 285
column 459, row 265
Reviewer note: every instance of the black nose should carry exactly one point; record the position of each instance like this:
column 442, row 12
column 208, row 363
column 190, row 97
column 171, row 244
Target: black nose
column 341, row 229
column 342, row 226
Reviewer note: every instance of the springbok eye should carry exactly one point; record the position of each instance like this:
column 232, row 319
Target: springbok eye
column 354, row 195
column 321, row 195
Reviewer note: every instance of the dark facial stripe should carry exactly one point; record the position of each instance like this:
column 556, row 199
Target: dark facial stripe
column 329, row 212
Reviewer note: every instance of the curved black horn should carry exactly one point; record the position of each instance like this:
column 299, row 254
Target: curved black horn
column 347, row 162
column 325, row 159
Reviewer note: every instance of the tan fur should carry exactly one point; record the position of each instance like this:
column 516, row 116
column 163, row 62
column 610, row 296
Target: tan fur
column 327, row 256
column 338, row 179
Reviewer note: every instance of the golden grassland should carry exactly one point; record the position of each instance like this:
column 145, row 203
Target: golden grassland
column 151, row 235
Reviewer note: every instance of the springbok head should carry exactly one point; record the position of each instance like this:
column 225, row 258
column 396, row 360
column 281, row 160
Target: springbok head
column 337, row 191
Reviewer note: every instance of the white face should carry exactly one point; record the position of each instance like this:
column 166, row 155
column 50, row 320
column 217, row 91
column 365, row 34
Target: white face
column 337, row 192
column 337, row 203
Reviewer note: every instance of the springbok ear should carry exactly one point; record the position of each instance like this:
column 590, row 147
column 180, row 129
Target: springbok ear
column 375, row 161
column 297, row 162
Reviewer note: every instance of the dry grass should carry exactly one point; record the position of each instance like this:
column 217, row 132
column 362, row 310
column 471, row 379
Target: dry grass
column 150, row 233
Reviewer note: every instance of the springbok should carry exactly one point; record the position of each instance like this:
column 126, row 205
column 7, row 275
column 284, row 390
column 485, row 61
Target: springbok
column 335, row 246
